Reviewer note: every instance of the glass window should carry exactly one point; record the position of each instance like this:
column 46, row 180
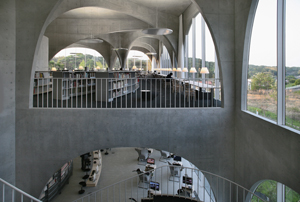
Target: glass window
column 73, row 58
column 267, row 190
column 292, row 70
column 198, row 62
column 210, row 53
column 262, row 69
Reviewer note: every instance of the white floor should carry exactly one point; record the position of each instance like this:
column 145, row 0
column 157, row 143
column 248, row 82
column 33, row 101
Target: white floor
column 119, row 165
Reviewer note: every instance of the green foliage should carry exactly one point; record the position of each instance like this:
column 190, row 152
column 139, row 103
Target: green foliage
column 82, row 63
column 264, row 113
column 262, row 80
column 289, row 71
column 297, row 82
column 69, row 61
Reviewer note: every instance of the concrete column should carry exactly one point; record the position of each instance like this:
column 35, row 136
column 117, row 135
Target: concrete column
column 217, row 77
column 7, row 93
column 203, row 43
column 43, row 55
column 180, row 47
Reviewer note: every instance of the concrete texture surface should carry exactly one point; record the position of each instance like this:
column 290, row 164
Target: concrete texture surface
column 225, row 141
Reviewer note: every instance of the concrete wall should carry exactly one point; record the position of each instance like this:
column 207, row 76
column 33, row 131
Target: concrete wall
column 263, row 150
column 7, row 89
column 45, row 139
column 43, row 55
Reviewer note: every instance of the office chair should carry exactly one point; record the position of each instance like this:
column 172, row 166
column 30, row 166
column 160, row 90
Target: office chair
column 182, row 192
column 144, row 179
column 143, row 155
column 175, row 171
column 164, row 155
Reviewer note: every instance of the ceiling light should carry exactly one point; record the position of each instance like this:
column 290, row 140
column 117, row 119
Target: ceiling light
column 92, row 40
column 204, row 70
column 178, row 69
column 193, row 70
column 184, row 69
column 157, row 31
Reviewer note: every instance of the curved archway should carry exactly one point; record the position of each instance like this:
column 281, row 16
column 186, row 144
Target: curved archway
column 271, row 190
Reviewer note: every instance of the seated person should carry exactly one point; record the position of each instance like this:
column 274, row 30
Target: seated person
column 168, row 77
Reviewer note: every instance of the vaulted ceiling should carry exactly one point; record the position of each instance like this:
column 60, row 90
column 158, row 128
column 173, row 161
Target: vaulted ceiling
column 119, row 23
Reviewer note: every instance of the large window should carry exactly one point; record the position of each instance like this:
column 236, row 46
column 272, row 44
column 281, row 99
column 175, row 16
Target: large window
column 262, row 70
column 292, row 69
column 76, row 58
column 270, row 190
column 204, row 50
column 274, row 63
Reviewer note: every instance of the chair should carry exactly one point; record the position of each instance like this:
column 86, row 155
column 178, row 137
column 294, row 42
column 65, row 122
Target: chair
column 175, row 171
column 143, row 155
column 189, row 92
column 177, row 87
column 164, row 155
column 182, row 192
column 144, row 179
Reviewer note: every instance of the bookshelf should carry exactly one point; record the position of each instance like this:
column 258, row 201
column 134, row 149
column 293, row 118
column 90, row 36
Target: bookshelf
column 42, row 82
column 106, row 85
column 115, row 84
column 56, row 183
column 69, row 84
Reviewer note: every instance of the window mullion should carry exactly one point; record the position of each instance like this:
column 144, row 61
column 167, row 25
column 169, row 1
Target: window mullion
column 281, row 62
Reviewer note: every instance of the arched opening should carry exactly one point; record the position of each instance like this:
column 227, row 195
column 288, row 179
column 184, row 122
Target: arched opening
column 270, row 190
column 119, row 167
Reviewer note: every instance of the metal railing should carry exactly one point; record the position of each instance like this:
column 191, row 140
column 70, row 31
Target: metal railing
column 126, row 93
column 12, row 193
column 188, row 183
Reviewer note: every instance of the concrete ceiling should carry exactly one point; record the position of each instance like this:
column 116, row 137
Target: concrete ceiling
column 115, row 21
column 174, row 7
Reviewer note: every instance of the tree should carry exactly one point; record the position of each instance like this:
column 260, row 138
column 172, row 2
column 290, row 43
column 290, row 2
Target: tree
column 82, row 63
column 297, row 82
column 262, row 80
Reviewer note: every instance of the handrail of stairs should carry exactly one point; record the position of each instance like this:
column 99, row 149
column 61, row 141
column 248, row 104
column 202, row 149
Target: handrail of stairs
column 199, row 185
column 14, row 193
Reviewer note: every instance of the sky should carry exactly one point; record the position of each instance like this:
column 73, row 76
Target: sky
column 68, row 51
column 263, row 41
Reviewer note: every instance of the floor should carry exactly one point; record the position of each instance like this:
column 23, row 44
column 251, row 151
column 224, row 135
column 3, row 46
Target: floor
column 121, row 164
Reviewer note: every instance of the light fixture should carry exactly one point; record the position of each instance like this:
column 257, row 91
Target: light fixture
column 134, row 67
column 178, row 69
column 157, row 30
column 80, row 68
column 116, row 49
column 184, row 69
column 193, row 70
column 53, row 69
column 91, row 40
column 151, row 53
column 98, row 68
column 174, row 69
column 204, row 70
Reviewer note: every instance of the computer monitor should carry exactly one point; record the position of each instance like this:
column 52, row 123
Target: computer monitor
column 187, row 180
column 150, row 161
column 177, row 158
column 154, row 185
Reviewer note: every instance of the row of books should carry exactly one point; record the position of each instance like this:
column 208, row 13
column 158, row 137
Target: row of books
column 121, row 75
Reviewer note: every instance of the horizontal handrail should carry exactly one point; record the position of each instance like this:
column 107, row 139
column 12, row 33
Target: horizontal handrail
column 213, row 194
column 18, row 190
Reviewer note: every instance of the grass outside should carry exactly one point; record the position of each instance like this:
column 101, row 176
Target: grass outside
column 264, row 103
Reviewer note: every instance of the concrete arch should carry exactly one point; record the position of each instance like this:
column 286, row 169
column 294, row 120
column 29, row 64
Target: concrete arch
column 246, row 51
